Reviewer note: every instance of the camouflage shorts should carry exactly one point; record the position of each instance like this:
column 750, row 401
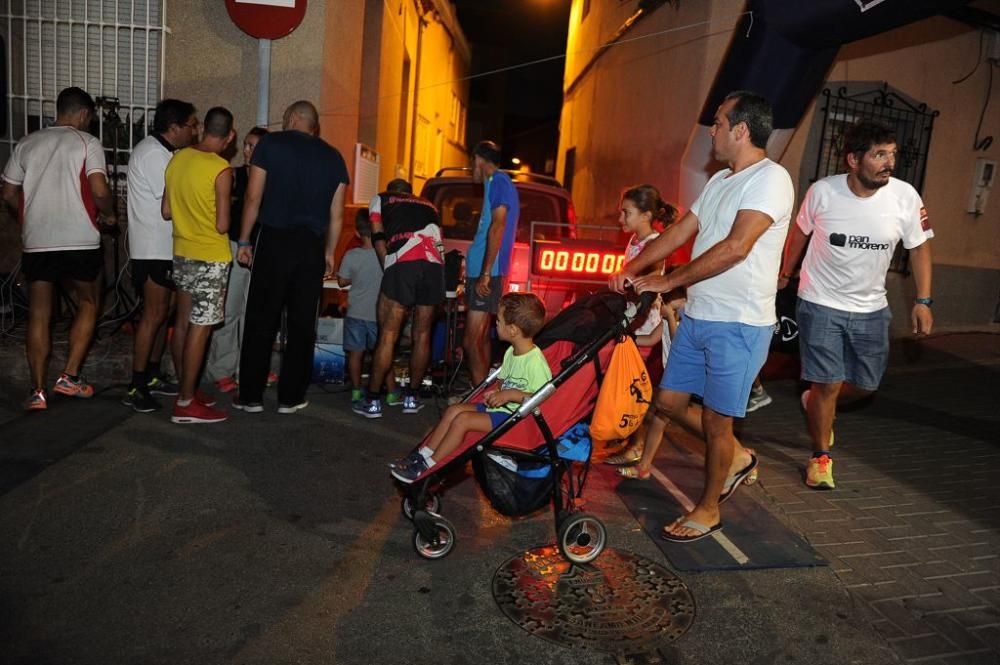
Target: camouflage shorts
column 206, row 281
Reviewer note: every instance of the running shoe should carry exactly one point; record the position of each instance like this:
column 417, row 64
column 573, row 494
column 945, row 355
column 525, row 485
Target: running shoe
column 357, row 394
column 162, row 385
column 406, row 461
column 284, row 408
column 394, row 399
column 819, row 475
column 411, row 404
column 207, row 399
column 36, row 401
column 410, row 473
column 196, row 413
column 67, row 386
column 249, row 407
column 141, row 401
column 226, row 384
column 758, row 398
column 369, row 408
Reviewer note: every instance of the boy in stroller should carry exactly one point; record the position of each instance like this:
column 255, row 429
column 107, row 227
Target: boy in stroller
column 524, row 370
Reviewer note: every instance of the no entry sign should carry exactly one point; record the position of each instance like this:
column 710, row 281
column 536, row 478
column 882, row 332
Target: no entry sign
column 266, row 19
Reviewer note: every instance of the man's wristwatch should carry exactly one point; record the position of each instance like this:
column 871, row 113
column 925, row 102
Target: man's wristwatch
column 924, row 301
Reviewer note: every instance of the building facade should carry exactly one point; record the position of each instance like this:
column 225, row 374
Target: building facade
column 629, row 111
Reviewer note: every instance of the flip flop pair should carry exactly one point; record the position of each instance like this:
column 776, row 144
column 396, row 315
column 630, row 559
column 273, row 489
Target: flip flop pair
column 702, row 531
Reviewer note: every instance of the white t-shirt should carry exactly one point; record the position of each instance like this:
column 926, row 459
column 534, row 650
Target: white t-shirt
column 632, row 250
column 51, row 167
column 745, row 292
column 149, row 235
column 853, row 239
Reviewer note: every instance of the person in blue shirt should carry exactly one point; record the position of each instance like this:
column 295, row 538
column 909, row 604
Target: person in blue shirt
column 489, row 257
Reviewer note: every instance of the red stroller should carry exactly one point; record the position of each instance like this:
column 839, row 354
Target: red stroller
column 541, row 453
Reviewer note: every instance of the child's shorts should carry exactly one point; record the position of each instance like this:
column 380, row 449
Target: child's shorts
column 359, row 334
column 496, row 417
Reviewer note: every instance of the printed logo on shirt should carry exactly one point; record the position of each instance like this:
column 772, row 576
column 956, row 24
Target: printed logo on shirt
column 925, row 223
column 857, row 242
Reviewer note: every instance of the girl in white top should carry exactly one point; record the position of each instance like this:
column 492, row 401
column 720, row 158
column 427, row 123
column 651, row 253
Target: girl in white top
column 641, row 207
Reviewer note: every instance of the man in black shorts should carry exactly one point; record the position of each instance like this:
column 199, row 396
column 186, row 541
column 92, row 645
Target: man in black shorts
column 59, row 233
column 407, row 238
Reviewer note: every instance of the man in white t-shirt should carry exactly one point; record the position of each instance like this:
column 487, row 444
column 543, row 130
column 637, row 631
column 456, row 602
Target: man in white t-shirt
column 855, row 220
column 151, row 253
column 741, row 219
column 56, row 182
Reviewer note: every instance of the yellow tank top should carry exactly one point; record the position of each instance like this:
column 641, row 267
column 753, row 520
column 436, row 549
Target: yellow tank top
column 190, row 180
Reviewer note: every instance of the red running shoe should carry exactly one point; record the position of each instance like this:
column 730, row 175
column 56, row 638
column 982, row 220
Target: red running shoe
column 226, row 384
column 195, row 413
column 70, row 388
column 205, row 398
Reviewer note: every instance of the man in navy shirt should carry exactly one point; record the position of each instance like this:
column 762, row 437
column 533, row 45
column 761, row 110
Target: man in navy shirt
column 296, row 192
column 488, row 260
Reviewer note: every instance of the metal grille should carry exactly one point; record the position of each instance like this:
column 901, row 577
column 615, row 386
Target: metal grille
column 110, row 48
column 913, row 125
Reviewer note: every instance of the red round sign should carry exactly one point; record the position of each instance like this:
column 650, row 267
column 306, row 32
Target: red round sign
column 266, row 19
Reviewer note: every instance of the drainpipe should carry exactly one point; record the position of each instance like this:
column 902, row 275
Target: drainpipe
column 422, row 10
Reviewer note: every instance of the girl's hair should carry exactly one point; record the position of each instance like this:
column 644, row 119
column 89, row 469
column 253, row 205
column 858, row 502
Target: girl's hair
column 647, row 199
column 258, row 131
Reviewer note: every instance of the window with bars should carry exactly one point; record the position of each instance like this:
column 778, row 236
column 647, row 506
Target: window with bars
column 110, row 48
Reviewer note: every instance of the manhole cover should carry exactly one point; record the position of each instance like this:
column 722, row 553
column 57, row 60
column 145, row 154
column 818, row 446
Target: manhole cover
column 621, row 603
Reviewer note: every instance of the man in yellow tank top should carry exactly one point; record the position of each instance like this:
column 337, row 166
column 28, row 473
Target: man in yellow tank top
column 197, row 197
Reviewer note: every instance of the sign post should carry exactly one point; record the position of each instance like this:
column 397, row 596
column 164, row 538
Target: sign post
column 266, row 20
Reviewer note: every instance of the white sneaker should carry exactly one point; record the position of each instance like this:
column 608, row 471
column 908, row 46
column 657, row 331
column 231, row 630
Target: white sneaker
column 282, row 408
column 758, row 398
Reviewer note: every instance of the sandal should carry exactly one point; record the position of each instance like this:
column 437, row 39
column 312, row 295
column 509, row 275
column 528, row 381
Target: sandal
column 633, row 472
column 630, row 455
column 752, row 478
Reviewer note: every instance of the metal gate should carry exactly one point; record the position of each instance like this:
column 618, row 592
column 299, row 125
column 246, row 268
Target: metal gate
column 913, row 124
column 113, row 49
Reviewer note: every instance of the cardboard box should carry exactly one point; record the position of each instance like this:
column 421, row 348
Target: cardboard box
column 328, row 359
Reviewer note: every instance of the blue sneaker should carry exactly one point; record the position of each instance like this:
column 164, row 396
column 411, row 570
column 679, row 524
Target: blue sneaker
column 410, row 473
column 404, row 462
column 369, row 408
column 411, row 404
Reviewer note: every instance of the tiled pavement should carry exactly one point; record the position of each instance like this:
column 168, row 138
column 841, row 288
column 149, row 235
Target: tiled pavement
column 913, row 528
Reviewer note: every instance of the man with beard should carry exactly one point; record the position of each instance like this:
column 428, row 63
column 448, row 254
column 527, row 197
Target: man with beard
column 855, row 220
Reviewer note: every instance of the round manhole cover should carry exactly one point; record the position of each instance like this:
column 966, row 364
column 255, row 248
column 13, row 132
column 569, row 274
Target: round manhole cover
column 621, row 603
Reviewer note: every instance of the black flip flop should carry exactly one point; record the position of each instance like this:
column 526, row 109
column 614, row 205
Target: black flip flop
column 737, row 479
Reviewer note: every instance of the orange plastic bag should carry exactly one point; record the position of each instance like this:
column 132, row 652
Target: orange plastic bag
column 625, row 394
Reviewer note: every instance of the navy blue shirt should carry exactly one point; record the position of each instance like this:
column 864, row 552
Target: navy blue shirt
column 303, row 173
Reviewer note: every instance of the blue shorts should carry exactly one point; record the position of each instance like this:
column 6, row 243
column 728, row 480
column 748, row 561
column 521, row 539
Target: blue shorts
column 496, row 417
column 359, row 334
column 836, row 346
column 718, row 360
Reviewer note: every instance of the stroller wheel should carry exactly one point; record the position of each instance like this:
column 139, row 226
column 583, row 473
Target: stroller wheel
column 434, row 536
column 582, row 538
column 431, row 505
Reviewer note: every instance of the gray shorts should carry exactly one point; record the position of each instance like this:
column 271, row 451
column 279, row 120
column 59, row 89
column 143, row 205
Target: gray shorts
column 206, row 282
column 490, row 303
column 836, row 346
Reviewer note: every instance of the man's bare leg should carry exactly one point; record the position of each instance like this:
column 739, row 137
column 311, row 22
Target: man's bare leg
column 420, row 349
column 38, row 341
column 820, row 412
column 390, row 321
column 150, row 334
column 82, row 331
column 476, row 343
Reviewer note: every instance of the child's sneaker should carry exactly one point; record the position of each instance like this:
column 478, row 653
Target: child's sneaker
column 78, row 388
column 411, row 404
column 196, row 412
column 369, row 408
column 226, row 384
column 410, row 473
column 819, row 474
column 404, row 462
column 140, row 400
column 36, row 401
column 394, row 398
column 357, row 394
column 161, row 385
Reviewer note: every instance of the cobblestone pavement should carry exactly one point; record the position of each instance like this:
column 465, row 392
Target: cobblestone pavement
column 913, row 528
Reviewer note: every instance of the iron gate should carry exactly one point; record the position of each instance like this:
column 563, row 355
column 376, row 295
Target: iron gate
column 913, row 124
